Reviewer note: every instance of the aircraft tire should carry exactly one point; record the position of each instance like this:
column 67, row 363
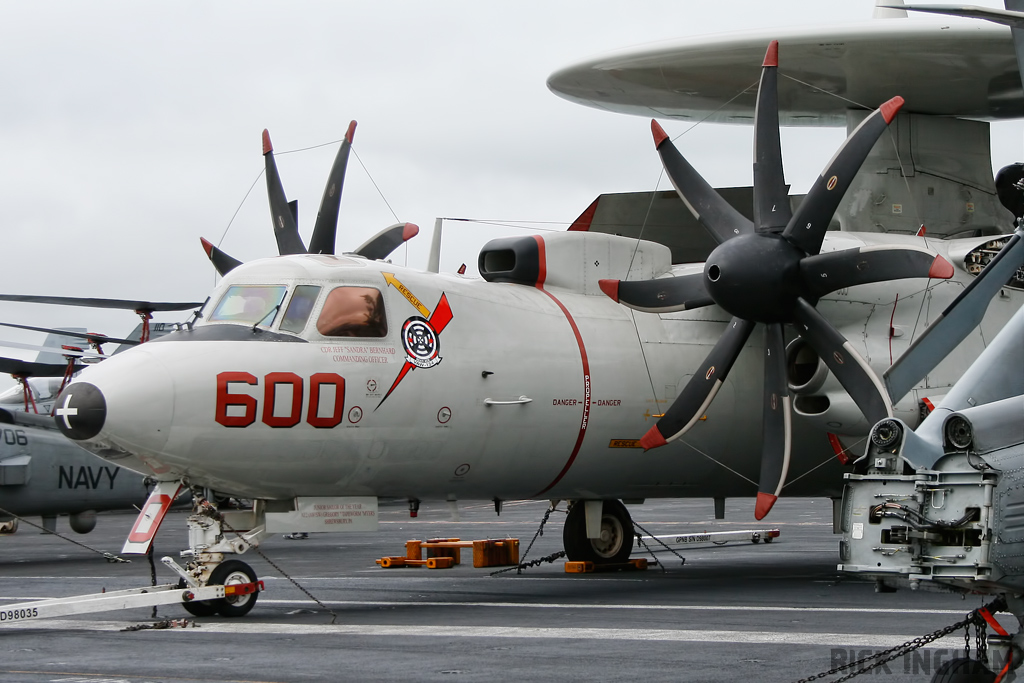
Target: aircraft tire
column 231, row 572
column 198, row 608
column 963, row 671
column 616, row 543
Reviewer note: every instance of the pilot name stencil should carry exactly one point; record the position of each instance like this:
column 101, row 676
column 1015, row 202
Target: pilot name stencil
column 359, row 354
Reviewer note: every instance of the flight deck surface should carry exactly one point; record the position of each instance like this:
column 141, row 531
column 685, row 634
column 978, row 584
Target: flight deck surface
column 742, row 611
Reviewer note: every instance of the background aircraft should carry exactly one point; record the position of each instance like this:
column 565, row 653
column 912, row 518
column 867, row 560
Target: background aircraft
column 41, row 472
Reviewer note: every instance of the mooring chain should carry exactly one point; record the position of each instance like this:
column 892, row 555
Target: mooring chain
column 540, row 532
column 220, row 518
column 886, row 656
column 164, row 624
column 981, row 640
column 640, row 540
column 109, row 557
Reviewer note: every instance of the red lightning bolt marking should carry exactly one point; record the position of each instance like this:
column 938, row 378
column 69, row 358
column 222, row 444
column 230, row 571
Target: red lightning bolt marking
column 439, row 320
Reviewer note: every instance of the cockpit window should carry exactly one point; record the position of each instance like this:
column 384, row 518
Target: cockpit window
column 299, row 308
column 249, row 304
column 353, row 312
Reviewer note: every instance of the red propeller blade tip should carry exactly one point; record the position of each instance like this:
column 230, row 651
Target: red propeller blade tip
column 771, row 58
column 890, row 108
column 611, row 288
column 652, row 439
column 207, row 247
column 659, row 133
column 941, row 269
column 409, row 231
column 267, row 147
column 350, row 134
column 765, row 501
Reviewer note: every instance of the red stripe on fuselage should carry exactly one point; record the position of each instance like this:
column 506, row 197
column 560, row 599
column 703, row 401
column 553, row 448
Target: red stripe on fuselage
column 542, row 270
column 586, row 369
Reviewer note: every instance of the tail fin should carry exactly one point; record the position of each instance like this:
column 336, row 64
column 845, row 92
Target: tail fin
column 56, row 341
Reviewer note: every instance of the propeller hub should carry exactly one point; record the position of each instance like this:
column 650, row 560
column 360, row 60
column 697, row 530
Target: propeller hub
column 755, row 277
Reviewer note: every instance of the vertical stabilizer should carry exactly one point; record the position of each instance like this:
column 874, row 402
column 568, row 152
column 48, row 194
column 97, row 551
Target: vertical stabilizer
column 55, row 340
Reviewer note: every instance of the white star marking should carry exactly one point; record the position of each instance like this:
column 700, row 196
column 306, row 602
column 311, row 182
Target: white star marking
column 66, row 412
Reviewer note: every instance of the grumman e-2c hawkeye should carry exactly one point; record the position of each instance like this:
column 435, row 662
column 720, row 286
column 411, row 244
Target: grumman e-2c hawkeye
column 314, row 383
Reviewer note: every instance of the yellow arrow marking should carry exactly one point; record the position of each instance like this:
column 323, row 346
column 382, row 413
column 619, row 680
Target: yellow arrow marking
column 416, row 303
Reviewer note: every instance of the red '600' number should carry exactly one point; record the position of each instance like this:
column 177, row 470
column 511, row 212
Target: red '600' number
column 318, row 384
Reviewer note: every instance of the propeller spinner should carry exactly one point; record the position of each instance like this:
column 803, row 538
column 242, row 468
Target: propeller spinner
column 284, row 215
column 771, row 271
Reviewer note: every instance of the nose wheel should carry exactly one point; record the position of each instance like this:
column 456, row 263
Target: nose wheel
column 615, row 542
column 229, row 573
column 232, row 573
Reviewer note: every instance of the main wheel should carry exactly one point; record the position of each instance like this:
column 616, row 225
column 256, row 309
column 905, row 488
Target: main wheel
column 198, row 608
column 615, row 543
column 963, row 671
column 230, row 573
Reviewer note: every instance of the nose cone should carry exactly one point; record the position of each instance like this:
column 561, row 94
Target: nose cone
column 80, row 411
column 126, row 403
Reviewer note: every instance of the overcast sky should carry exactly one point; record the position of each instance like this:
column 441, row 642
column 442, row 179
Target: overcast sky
column 131, row 129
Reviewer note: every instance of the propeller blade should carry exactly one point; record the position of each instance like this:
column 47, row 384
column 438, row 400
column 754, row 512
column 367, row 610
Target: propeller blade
column 702, row 387
column 771, row 196
column 706, row 205
column 661, row 295
column 807, row 227
column 824, row 273
column 387, row 240
column 846, row 364
column 777, row 438
column 325, row 231
column 89, row 336
column 956, row 322
column 286, row 230
column 24, row 368
column 221, row 261
column 138, row 306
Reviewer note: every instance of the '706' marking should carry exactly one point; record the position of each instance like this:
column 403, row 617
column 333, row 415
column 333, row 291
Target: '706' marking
column 318, row 384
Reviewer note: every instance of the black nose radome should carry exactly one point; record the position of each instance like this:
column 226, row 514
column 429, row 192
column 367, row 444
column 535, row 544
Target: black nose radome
column 80, row 411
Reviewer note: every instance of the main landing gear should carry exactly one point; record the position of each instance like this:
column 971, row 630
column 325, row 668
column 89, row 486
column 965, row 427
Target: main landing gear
column 598, row 531
column 212, row 534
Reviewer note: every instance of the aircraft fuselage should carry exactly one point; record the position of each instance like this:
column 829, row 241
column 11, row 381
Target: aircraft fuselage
column 475, row 390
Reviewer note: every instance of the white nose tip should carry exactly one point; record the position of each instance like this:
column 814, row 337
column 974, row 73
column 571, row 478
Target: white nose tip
column 127, row 400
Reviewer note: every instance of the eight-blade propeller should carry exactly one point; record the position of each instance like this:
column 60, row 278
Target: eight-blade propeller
column 284, row 215
column 771, row 271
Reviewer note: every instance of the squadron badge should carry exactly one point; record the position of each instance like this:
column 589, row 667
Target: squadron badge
column 421, row 343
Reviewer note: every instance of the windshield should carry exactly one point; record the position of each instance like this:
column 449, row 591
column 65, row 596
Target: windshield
column 299, row 308
column 249, row 304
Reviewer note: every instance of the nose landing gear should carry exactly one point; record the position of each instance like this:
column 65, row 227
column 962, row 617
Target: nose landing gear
column 212, row 534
